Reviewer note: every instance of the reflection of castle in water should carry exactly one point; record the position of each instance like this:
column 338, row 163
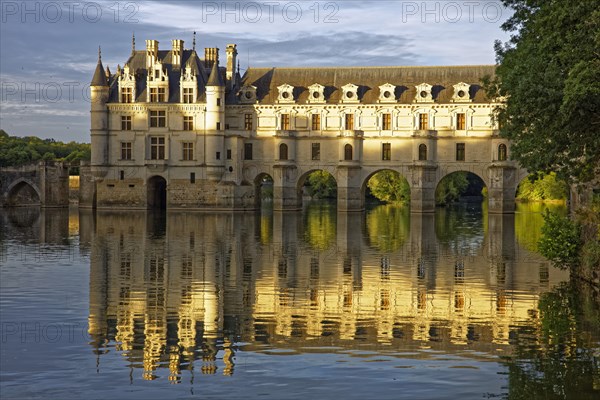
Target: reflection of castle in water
column 179, row 290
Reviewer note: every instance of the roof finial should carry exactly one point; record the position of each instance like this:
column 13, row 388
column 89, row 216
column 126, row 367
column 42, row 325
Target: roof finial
column 99, row 54
column 133, row 43
column 194, row 42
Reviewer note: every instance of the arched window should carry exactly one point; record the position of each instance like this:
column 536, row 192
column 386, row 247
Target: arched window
column 283, row 151
column 502, row 152
column 422, row 152
column 348, row 152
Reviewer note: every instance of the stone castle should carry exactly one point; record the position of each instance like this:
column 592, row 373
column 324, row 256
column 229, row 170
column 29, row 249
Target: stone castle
column 172, row 130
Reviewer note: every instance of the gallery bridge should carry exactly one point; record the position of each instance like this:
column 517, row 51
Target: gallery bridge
column 44, row 184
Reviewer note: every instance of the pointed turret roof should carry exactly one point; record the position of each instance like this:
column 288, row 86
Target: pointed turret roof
column 215, row 77
column 99, row 78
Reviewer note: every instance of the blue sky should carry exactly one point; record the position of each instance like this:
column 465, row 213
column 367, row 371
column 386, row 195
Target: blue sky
column 48, row 49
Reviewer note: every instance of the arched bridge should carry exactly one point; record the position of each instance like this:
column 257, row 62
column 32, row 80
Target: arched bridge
column 44, row 184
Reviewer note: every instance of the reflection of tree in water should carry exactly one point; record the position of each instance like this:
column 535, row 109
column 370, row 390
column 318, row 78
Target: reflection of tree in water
column 388, row 227
column 461, row 226
column 556, row 357
column 320, row 225
column 529, row 221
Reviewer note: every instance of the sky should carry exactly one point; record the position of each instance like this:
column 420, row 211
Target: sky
column 49, row 49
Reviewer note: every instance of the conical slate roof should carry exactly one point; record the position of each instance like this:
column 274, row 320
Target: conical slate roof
column 215, row 77
column 99, row 78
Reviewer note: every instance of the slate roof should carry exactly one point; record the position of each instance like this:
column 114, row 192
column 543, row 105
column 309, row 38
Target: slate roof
column 442, row 78
column 99, row 78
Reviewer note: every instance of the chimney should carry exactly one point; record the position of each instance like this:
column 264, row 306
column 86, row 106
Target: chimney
column 177, row 53
column 231, row 64
column 211, row 56
column 151, row 52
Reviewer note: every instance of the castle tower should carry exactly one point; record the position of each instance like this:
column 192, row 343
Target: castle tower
column 215, row 115
column 99, row 115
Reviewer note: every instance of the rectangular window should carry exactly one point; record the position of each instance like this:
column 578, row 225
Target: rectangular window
column 247, row 151
column 158, row 119
column 188, row 151
column 157, row 148
column 386, row 122
column 460, row 152
column 126, row 122
column 423, row 122
column 229, row 154
column 188, row 123
column 460, row 121
column 218, row 155
column 285, row 122
column 126, row 95
column 121, row 175
column 386, row 151
column 218, row 126
column 316, row 122
column 349, row 122
column 188, row 95
column 218, row 102
column 162, row 96
column 248, row 122
column 316, row 151
column 126, row 150
column 192, row 177
column 154, row 95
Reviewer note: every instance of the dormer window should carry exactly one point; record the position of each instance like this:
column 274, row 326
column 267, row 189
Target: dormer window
column 423, row 94
column 350, row 93
column 316, row 93
column 461, row 92
column 387, row 93
column 248, row 94
column 188, row 85
column 286, row 93
column 127, row 86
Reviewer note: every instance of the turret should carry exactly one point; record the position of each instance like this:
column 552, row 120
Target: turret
column 215, row 116
column 99, row 115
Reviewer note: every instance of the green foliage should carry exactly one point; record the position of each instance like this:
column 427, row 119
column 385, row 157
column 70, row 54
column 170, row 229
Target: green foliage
column 543, row 188
column 451, row 188
column 390, row 187
column 322, row 185
column 320, row 221
column 560, row 241
column 388, row 227
column 16, row 151
column 548, row 73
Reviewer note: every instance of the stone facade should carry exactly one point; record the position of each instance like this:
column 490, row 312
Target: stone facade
column 170, row 129
column 45, row 184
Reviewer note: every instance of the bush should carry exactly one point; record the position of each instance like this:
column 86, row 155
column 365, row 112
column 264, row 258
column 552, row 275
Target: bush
column 560, row 241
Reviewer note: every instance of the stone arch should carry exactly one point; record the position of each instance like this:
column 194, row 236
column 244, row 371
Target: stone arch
column 302, row 180
column 441, row 176
column 156, row 192
column 371, row 173
column 447, row 169
column 23, row 192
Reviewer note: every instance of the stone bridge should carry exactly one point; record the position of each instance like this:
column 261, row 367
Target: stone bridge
column 44, row 184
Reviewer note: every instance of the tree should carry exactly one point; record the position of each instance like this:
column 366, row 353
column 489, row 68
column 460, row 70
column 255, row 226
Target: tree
column 451, row 187
column 321, row 185
column 16, row 151
column 548, row 75
column 390, row 187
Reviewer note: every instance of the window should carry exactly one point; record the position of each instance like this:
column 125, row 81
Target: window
column 502, row 152
column 188, row 151
column 460, row 121
column 247, row 151
column 218, row 102
column 422, row 152
column 283, row 151
column 157, row 148
column 157, row 95
column 218, row 155
column 316, row 151
column 218, row 126
column 125, row 150
column 158, row 119
column 192, row 177
column 126, row 95
column 285, row 122
column 386, row 151
column 188, row 123
column 248, row 122
column 126, row 122
column 348, row 152
column 316, row 122
column 423, row 121
column 386, row 122
column 121, row 175
column 188, row 95
column 460, row 152
column 228, row 154
column 349, row 122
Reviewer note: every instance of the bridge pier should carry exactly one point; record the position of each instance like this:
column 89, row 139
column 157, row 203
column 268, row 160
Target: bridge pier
column 501, row 192
column 350, row 195
column 422, row 190
column 286, row 195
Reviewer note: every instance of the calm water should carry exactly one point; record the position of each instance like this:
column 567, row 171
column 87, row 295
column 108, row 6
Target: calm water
column 315, row 304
